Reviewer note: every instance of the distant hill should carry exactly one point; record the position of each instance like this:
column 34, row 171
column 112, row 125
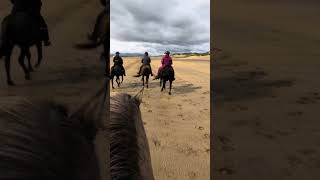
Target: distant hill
column 192, row 54
column 186, row 54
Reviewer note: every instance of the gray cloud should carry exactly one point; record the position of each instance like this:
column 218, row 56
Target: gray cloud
column 182, row 25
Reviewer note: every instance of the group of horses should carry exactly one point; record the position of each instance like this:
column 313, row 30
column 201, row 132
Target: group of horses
column 166, row 75
column 42, row 139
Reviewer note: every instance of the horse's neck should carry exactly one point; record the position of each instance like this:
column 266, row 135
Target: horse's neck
column 145, row 165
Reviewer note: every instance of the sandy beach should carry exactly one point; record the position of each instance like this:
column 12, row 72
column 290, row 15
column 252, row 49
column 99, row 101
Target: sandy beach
column 177, row 126
column 266, row 90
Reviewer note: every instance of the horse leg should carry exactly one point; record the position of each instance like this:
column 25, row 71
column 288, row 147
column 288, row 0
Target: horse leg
column 21, row 62
column 7, row 66
column 112, row 82
column 40, row 54
column 118, row 81
column 29, row 61
column 147, row 79
column 163, row 85
column 143, row 81
column 170, row 87
column 121, row 78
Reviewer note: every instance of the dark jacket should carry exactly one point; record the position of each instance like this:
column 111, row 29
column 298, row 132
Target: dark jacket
column 117, row 60
column 146, row 60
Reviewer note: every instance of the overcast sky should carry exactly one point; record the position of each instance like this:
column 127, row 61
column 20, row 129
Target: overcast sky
column 155, row 26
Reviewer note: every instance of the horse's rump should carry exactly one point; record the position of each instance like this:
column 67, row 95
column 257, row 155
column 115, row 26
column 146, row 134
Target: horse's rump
column 167, row 73
column 117, row 70
column 146, row 70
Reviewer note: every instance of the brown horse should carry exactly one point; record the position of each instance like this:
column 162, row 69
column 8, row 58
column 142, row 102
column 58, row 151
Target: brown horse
column 145, row 72
column 129, row 150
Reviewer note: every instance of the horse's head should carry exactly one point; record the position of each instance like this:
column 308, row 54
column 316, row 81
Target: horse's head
column 130, row 155
column 39, row 141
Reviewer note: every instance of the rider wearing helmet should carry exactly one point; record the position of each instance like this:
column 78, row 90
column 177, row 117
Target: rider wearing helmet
column 166, row 61
column 146, row 61
column 117, row 60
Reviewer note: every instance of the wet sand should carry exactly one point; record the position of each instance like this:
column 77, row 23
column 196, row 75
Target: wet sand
column 266, row 90
column 177, row 126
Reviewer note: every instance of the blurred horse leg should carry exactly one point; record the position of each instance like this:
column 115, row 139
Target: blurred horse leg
column 147, row 79
column 23, row 53
column 7, row 66
column 143, row 80
column 29, row 60
column 163, row 85
column 40, row 54
column 170, row 87
column 112, row 77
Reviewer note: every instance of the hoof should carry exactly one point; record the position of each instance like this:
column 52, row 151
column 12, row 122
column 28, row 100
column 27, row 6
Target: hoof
column 31, row 70
column 37, row 65
column 169, row 93
column 161, row 89
column 11, row 83
column 112, row 87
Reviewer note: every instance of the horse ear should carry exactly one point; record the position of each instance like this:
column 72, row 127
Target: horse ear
column 138, row 97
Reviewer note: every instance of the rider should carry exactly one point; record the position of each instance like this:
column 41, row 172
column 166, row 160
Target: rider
column 117, row 60
column 94, row 35
column 145, row 61
column 166, row 61
column 34, row 8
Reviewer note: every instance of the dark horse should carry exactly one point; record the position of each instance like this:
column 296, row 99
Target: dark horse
column 116, row 71
column 145, row 72
column 23, row 31
column 167, row 75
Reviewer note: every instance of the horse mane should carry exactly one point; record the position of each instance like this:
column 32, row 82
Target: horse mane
column 124, row 149
column 36, row 140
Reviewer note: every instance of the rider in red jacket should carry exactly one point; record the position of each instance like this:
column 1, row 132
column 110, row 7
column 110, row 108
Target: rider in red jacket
column 166, row 61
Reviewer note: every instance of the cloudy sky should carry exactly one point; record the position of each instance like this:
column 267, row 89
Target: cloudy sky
column 155, row 26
